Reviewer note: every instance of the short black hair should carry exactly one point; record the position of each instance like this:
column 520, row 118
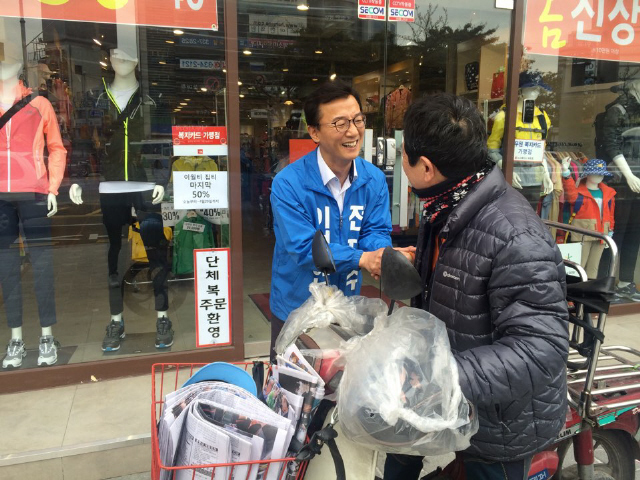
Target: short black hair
column 448, row 130
column 326, row 93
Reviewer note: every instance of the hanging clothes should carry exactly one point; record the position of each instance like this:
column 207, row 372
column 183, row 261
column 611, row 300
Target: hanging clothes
column 396, row 105
column 187, row 240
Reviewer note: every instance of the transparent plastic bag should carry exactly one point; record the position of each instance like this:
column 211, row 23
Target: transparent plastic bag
column 326, row 306
column 400, row 393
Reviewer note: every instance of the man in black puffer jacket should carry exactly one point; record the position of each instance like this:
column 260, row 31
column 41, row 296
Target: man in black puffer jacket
column 494, row 276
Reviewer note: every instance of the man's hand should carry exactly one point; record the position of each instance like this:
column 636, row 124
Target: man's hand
column 408, row 252
column 372, row 262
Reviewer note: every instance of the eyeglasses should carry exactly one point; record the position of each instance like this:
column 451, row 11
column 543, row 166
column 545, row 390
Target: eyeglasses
column 342, row 124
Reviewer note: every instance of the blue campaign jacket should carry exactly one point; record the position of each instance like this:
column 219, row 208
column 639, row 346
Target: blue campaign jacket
column 301, row 205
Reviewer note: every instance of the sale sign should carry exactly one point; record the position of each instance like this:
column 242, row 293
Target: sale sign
column 200, row 14
column 196, row 141
column 372, row 9
column 596, row 29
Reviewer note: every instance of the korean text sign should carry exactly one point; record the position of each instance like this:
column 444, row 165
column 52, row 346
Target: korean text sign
column 201, row 14
column 397, row 10
column 198, row 141
column 213, row 297
column 198, row 189
column 596, row 29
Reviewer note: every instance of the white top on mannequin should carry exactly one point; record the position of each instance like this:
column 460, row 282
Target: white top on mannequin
column 9, row 83
column 123, row 86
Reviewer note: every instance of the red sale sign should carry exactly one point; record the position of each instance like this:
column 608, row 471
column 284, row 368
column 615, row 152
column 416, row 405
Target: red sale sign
column 201, row 14
column 191, row 140
column 596, row 29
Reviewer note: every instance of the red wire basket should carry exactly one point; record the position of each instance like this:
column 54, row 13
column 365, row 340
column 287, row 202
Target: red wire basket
column 168, row 377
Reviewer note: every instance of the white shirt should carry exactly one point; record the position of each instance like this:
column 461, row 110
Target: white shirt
column 332, row 182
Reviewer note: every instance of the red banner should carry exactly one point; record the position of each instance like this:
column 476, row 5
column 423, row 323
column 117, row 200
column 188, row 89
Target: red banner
column 596, row 29
column 200, row 14
column 195, row 140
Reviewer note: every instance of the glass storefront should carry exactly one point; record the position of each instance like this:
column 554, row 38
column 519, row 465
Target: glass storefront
column 117, row 164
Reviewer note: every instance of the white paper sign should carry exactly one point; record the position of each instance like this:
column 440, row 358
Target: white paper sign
column 507, row 4
column 170, row 216
column 573, row 253
column 193, row 227
column 213, row 297
column 193, row 190
column 531, row 151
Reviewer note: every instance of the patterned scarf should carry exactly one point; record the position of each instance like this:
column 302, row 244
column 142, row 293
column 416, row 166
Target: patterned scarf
column 441, row 199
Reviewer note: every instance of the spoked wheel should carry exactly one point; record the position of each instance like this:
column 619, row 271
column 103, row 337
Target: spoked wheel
column 613, row 457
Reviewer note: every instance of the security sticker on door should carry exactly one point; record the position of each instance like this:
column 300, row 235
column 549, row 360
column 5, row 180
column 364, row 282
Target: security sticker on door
column 530, row 151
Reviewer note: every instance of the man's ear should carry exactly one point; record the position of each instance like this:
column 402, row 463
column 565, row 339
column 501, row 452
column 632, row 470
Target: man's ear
column 313, row 131
column 431, row 174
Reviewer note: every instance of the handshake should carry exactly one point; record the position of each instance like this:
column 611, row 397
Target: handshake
column 372, row 261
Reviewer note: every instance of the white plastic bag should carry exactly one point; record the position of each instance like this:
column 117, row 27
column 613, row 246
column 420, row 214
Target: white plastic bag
column 400, row 391
column 328, row 305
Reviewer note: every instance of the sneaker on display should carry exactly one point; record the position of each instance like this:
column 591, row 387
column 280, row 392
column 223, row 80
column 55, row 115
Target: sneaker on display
column 15, row 354
column 164, row 334
column 630, row 292
column 115, row 333
column 47, row 350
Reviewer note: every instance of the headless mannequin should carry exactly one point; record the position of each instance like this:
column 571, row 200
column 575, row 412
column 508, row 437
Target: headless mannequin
column 629, row 244
column 9, row 92
column 528, row 93
column 123, row 86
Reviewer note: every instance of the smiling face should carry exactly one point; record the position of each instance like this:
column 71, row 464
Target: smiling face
column 338, row 148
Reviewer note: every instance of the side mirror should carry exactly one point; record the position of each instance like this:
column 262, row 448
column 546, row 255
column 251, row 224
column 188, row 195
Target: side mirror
column 400, row 279
column 322, row 257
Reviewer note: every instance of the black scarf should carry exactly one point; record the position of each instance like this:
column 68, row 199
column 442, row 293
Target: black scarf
column 442, row 198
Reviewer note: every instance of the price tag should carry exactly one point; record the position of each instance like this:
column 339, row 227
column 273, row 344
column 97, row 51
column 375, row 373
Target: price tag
column 170, row 216
column 193, row 227
column 530, row 151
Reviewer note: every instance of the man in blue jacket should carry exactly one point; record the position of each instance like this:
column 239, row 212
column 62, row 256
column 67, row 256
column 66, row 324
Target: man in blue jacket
column 330, row 189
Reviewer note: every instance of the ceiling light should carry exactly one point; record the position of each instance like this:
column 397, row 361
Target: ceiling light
column 187, row 99
column 288, row 102
column 213, row 112
column 224, row 70
column 97, row 41
column 183, row 103
column 318, row 51
column 242, row 95
column 177, row 31
column 285, row 69
column 333, row 76
column 162, row 63
column 103, row 64
column 282, row 92
column 170, row 41
column 246, row 52
column 314, row 79
column 154, row 83
column 239, row 82
column 303, row 6
column 204, row 89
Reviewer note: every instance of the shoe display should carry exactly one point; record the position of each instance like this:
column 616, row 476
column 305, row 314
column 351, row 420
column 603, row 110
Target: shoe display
column 47, row 350
column 115, row 333
column 15, row 354
column 630, row 292
column 164, row 334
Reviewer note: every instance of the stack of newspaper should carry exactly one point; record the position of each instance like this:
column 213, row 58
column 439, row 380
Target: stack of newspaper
column 215, row 422
column 293, row 391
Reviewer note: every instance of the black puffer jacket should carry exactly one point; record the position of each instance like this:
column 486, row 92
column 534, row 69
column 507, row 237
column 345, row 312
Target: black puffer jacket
column 499, row 286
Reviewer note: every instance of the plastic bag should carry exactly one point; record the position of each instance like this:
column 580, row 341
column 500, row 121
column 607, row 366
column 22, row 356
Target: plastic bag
column 328, row 305
column 400, row 393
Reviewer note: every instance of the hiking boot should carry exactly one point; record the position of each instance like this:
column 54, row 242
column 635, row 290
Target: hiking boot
column 628, row 293
column 15, row 354
column 115, row 332
column 47, row 350
column 164, row 334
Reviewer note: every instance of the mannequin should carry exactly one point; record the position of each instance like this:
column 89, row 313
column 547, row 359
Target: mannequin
column 126, row 186
column 28, row 190
column 533, row 179
column 593, row 205
column 620, row 149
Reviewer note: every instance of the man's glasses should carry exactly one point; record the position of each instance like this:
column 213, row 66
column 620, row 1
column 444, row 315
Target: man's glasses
column 342, row 124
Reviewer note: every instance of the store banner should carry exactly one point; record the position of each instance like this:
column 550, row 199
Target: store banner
column 194, row 190
column 372, row 9
column 200, row 14
column 196, row 141
column 596, row 29
column 529, row 151
column 212, row 274
column 402, row 10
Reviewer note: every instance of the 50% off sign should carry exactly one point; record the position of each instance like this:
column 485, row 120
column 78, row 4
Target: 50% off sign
column 194, row 190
